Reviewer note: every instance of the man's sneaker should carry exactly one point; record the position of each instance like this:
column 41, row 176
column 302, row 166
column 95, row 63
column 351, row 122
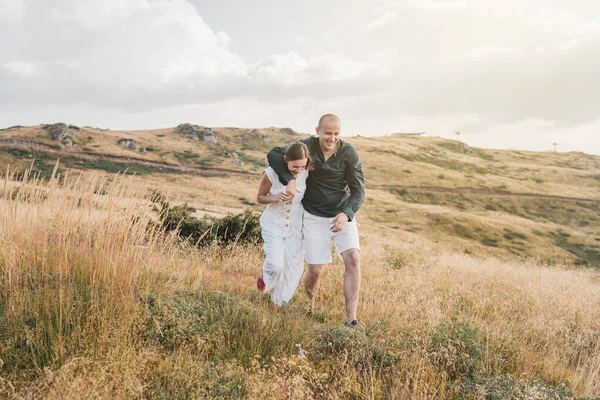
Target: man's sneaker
column 351, row 324
column 260, row 284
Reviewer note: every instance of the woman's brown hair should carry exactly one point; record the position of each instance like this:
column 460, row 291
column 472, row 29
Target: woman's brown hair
column 298, row 151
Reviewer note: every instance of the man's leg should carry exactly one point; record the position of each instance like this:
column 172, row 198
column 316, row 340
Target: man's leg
column 351, row 259
column 312, row 279
column 317, row 242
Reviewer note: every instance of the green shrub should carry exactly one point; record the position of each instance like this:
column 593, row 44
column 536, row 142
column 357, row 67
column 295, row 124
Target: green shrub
column 247, row 202
column 510, row 234
column 503, row 387
column 197, row 380
column 401, row 191
column 489, row 242
column 219, row 326
column 240, row 228
column 456, row 348
column 363, row 347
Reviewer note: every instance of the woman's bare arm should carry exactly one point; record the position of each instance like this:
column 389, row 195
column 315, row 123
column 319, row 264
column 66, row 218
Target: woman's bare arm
column 263, row 189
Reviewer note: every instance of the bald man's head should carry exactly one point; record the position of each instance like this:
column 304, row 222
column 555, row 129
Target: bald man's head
column 329, row 117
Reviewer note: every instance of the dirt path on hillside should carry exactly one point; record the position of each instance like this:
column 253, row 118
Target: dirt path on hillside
column 16, row 143
column 483, row 193
column 13, row 143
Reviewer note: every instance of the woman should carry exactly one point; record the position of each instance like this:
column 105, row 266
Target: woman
column 281, row 225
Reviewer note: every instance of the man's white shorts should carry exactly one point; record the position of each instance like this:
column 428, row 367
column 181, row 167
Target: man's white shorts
column 318, row 237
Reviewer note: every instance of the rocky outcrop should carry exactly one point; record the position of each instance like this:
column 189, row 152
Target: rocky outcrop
column 62, row 134
column 198, row 132
column 129, row 143
column 288, row 131
column 256, row 133
column 187, row 128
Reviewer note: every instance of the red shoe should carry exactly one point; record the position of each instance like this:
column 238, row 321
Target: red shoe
column 260, row 284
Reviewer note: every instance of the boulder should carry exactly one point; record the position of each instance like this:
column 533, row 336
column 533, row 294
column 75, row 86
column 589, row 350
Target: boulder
column 233, row 154
column 238, row 162
column 210, row 139
column 62, row 133
column 129, row 143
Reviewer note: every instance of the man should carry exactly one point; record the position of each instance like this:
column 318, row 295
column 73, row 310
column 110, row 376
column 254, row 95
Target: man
column 334, row 193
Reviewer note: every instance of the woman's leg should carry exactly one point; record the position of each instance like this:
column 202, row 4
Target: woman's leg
column 274, row 259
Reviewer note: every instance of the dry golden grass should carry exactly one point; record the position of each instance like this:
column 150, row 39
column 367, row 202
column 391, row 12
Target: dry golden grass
column 81, row 270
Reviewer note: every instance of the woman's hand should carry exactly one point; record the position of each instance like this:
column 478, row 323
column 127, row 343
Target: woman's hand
column 290, row 191
column 279, row 197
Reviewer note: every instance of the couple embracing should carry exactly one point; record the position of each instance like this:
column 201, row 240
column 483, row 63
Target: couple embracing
column 313, row 188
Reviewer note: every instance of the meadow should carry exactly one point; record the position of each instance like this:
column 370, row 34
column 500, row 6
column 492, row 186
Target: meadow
column 490, row 292
column 98, row 302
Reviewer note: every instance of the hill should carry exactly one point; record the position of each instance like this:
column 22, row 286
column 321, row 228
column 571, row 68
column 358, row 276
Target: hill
column 469, row 289
column 479, row 201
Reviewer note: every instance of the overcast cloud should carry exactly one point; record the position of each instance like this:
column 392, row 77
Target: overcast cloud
column 507, row 74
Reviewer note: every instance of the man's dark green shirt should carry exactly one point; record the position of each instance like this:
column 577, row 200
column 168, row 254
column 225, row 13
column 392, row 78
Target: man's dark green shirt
column 333, row 186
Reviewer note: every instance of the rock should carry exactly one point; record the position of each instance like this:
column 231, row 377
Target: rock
column 233, row 154
column 129, row 143
column 238, row 162
column 62, row 133
column 198, row 132
column 187, row 128
column 210, row 139
column 142, row 149
column 192, row 128
column 288, row 131
column 255, row 133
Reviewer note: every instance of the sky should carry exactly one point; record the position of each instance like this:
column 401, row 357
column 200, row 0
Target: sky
column 510, row 74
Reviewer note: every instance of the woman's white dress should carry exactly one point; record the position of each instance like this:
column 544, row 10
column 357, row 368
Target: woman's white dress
column 282, row 233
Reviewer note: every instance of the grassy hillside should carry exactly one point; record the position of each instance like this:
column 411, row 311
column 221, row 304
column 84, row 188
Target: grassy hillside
column 478, row 201
column 97, row 303
column 481, row 275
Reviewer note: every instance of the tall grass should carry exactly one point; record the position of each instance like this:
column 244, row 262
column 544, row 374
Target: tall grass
column 74, row 264
column 96, row 302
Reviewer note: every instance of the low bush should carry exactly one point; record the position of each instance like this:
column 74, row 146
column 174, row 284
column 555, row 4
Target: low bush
column 239, row 228
column 456, row 348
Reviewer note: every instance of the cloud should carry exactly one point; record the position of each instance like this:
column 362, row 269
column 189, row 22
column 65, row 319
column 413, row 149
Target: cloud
column 486, row 51
column 21, row 68
column 12, row 11
column 388, row 66
column 538, row 134
column 381, row 20
column 132, row 54
column 144, row 54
